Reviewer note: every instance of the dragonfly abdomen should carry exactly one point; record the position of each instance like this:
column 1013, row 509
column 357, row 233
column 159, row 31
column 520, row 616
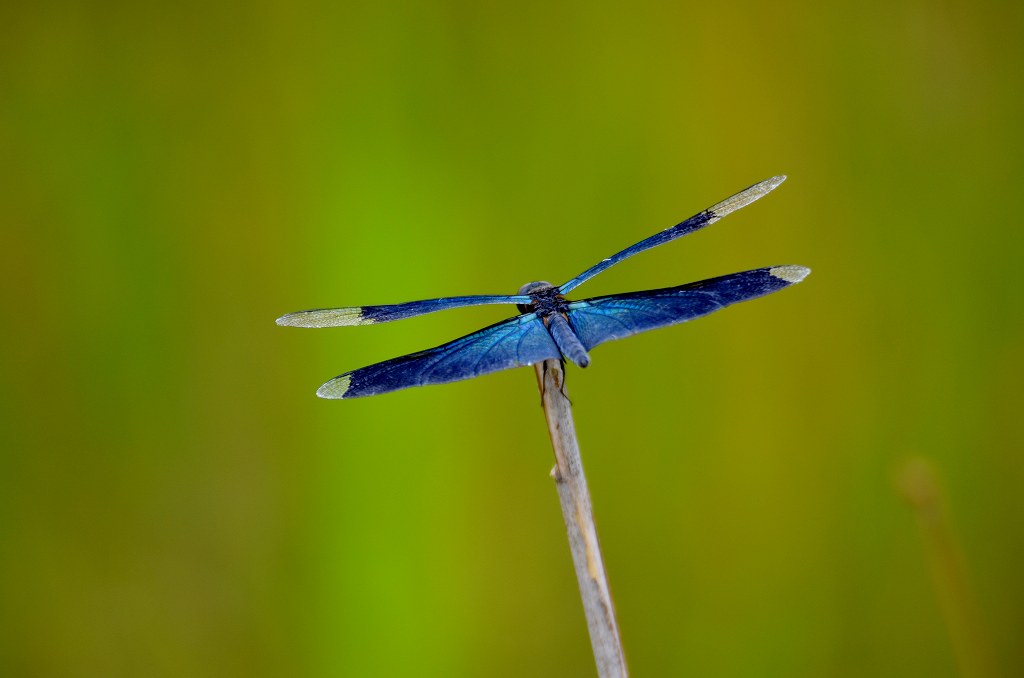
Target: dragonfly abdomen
column 566, row 340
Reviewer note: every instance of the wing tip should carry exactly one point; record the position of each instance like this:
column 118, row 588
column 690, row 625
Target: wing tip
column 283, row 320
column 791, row 274
column 746, row 196
column 336, row 388
column 331, row 317
column 289, row 320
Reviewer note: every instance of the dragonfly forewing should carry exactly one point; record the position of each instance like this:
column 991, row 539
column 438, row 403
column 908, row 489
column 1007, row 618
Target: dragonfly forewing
column 602, row 319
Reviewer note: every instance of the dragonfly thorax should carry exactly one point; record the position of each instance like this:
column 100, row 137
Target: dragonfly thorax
column 545, row 299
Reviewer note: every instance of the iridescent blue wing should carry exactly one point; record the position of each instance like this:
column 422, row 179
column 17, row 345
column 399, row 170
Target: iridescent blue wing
column 522, row 340
column 694, row 223
column 369, row 315
column 602, row 319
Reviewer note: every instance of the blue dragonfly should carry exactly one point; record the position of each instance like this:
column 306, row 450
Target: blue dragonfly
column 549, row 325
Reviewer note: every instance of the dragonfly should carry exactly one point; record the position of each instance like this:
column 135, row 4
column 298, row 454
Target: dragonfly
column 549, row 326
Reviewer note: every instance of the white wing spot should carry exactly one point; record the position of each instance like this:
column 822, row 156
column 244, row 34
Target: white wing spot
column 791, row 274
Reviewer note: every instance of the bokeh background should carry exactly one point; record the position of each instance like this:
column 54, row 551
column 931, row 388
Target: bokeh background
column 825, row 482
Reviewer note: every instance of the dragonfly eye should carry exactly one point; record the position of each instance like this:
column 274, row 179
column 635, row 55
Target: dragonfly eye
column 536, row 286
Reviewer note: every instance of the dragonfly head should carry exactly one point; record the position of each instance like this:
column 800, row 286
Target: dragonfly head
column 536, row 286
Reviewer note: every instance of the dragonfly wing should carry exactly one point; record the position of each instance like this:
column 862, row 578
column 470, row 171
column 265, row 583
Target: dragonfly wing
column 518, row 341
column 369, row 315
column 602, row 319
column 694, row 223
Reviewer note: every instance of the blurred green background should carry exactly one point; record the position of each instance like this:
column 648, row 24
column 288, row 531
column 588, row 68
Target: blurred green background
column 174, row 501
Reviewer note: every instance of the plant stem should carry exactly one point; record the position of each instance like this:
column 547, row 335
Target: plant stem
column 571, row 484
column 919, row 483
